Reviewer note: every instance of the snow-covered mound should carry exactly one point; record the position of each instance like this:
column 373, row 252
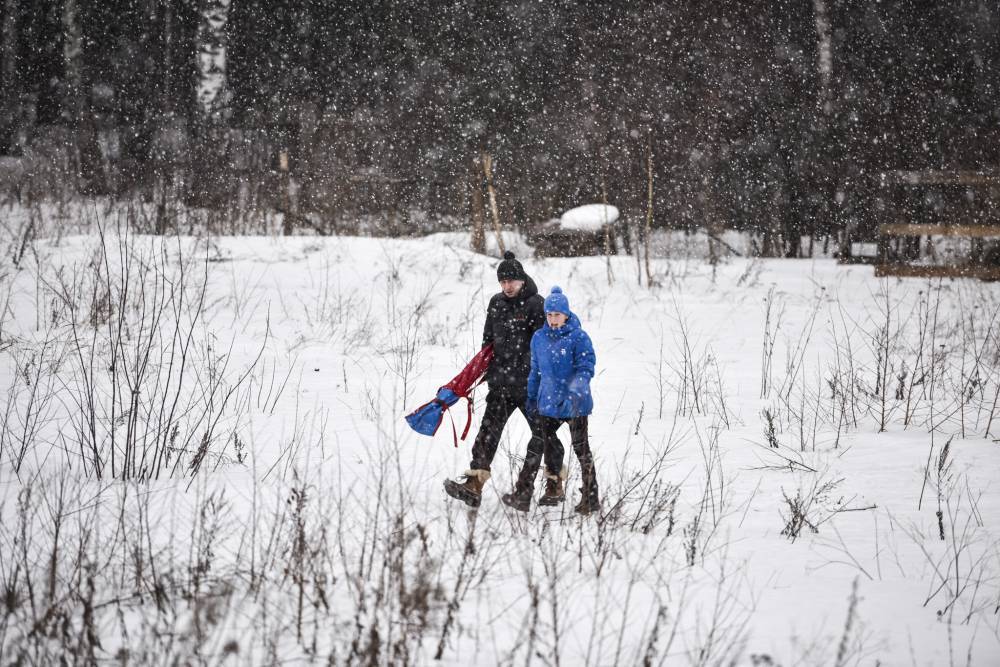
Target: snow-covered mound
column 590, row 217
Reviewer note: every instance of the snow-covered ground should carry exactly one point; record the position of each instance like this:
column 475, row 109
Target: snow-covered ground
column 798, row 462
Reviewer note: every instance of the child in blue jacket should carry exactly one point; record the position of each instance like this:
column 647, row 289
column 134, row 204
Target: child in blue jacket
column 562, row 365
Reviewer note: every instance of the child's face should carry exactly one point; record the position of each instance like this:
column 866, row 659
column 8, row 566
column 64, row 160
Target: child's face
column 556, row 320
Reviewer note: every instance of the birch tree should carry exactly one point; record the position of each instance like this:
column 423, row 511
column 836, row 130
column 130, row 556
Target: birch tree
column 212, row 96
column 72, row 70
column 212, row 92
column 824, row 56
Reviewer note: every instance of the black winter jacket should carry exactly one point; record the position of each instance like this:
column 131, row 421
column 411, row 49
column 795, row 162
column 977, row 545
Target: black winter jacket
column 510, row 324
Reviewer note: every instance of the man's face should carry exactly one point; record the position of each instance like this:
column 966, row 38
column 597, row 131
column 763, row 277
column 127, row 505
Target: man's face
column 511, row 287
column 556, row 320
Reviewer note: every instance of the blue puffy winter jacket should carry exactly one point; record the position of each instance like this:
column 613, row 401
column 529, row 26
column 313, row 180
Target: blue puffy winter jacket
column 562, row 364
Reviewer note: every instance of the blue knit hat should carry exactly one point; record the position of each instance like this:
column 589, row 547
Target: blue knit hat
column 556, row 302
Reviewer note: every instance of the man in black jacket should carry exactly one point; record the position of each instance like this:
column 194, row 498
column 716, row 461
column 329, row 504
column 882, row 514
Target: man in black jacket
column 513, row 316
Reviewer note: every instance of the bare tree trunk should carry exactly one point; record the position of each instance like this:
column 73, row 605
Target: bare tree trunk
column 649, row 211
column 488, row 173
column 774, row 243
column 637, row 226
column 168, row 57
column 476, row 204
column 165, row 179
column 305, row 200
column 824, row 55
column 9, row 82
column 85, row 158
column 824, row 105
column 287, row 220
column 607, row 227
column 8, row 55
column 156, row 46
column 72, row 72
column 72, row 98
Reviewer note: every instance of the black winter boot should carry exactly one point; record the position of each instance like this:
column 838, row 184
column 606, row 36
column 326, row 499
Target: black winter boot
column 519, row 500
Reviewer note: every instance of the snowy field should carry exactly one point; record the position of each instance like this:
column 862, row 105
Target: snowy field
column 203, row 460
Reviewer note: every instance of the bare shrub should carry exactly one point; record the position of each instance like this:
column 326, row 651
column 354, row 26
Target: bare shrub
column 144, row 385
column 772, row 323
column 812, row 505
column 962, row 564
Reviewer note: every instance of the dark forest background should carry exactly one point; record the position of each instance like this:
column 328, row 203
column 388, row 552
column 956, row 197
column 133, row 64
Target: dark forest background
column 384, row 107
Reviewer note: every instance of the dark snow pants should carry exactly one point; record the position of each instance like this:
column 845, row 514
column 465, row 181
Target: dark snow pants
column 500, row 405
column 581, row 447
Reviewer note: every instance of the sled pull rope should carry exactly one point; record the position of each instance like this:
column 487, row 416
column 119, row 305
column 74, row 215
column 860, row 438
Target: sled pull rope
column 468, row 421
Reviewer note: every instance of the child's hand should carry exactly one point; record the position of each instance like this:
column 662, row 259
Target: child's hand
column 579, row 386
column 531, row 408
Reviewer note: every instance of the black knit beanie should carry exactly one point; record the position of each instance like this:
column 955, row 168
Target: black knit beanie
column 510, row 268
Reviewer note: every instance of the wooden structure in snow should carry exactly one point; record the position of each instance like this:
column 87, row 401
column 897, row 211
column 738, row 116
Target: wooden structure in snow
column 582, row 231
column 940, row 224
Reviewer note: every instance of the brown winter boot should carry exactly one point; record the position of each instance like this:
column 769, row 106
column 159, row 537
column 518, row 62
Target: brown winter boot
column 588, row 504
column 554, row 492
column 590, row 500
column 470, row 491
column 518, row 499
